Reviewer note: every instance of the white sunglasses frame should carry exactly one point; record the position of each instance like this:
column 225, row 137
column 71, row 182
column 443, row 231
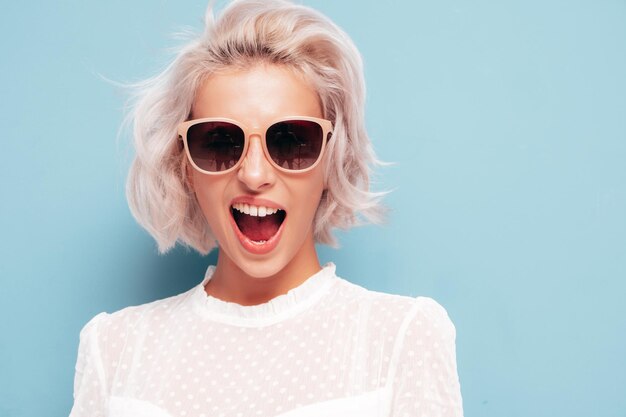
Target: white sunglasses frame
column 326, row 125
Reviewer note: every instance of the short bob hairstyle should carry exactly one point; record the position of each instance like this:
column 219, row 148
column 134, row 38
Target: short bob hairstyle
column 248, row 33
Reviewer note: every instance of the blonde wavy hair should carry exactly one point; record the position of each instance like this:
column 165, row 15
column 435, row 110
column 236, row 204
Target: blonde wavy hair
column 246, row 33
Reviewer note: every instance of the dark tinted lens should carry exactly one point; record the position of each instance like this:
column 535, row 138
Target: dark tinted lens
column 294, row 144
column 215, row 146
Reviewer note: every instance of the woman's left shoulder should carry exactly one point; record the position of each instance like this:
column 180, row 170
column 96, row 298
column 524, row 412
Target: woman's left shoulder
column 416, row 312
column 420, row 324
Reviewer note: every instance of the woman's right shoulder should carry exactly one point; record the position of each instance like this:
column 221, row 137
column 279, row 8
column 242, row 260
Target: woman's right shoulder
column 130, row 318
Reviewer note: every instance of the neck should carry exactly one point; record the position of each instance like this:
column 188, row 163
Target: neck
column 231, row 283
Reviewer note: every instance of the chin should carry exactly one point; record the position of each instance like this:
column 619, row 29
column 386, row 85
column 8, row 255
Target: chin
column 264, row 270
column 267, row 267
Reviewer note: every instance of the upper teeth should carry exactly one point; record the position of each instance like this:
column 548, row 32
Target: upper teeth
column 251, row 210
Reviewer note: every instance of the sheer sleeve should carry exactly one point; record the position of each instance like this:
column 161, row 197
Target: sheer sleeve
column 89, row 381
column 425, row 380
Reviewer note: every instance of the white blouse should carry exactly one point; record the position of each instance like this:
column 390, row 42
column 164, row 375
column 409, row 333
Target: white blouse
column 326, row 348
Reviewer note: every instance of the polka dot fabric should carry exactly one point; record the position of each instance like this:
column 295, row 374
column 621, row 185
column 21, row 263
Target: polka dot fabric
column 327, row 347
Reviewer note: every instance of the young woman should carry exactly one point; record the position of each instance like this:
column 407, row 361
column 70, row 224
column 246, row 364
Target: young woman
column 253, row 140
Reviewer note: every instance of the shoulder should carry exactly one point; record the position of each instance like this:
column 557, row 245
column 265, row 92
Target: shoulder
column 413, row 320
column 414, row 311
column 129, row 318
column 428, row 325
column 422, row 317
column 108, row 336
column 429, row 312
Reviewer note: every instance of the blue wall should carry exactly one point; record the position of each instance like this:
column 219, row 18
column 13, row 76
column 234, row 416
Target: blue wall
column 507, row 123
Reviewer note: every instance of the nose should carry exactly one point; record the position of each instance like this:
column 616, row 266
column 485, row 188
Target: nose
column 256, row 172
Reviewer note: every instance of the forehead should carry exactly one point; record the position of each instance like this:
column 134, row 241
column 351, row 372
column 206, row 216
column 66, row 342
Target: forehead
column 255, row 96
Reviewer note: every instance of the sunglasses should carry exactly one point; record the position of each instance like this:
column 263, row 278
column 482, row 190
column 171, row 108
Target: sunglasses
column 218, row 145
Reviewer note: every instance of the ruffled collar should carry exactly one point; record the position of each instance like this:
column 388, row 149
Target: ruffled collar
column 273, row 311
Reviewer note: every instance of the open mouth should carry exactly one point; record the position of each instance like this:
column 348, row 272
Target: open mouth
column 258, row 223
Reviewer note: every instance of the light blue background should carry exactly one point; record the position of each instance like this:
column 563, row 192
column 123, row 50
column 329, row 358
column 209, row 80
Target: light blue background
column 507, row 123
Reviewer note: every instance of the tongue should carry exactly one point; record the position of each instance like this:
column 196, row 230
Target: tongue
column 258, row 228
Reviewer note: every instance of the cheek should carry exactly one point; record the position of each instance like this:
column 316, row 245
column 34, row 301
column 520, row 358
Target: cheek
column 312, row 193
column 208, row 193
